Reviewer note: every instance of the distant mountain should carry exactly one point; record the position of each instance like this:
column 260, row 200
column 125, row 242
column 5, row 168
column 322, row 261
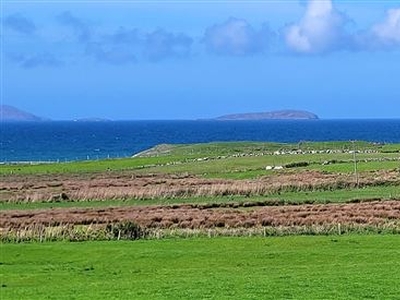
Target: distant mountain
column 272, row 115
column 12, row 114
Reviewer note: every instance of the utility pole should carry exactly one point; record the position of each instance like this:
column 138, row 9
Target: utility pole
column 355, row 163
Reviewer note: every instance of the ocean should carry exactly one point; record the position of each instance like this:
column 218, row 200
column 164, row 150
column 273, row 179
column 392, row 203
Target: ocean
column 69, row 141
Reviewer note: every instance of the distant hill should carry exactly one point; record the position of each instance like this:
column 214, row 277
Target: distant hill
column 12, row 114
column 272, row 115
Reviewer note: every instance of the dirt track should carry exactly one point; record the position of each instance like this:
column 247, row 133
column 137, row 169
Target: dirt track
column 187, row 216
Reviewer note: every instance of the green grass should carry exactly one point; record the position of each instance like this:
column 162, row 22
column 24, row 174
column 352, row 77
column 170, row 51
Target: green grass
column 229, row 167
column 253, row 167
column 296, row 267
column 83, row 166
column 229, row 148
column 336, row 196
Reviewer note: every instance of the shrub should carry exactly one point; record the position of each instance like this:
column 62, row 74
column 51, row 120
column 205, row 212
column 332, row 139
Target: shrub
column 126, row 230
column 297, row 164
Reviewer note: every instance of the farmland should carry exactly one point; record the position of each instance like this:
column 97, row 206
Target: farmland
column 246, row 220
column 231, row 186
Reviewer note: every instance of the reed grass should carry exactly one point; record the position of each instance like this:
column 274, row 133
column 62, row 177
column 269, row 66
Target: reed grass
column 132, row 231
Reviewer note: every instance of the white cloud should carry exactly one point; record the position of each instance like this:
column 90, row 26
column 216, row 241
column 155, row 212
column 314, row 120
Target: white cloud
column 236, row 37
column 383, row 36
column 388, row 32
column 320, row 30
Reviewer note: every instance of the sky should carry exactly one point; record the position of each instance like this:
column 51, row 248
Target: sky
column 152, row 60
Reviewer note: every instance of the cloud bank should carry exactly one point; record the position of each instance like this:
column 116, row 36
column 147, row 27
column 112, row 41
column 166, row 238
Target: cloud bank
column 322, row 29
column 126, row 45
column 129, row 45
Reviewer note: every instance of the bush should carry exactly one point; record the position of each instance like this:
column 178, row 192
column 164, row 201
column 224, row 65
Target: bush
column 126, row 230
column 297, row 164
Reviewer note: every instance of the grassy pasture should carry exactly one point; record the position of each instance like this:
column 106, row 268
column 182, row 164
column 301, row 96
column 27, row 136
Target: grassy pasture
column 253, row 167
column 321, row 196
column 229, row 160
column 238, row 160
column 296, row 267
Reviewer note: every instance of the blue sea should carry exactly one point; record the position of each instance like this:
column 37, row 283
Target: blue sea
column 68, row 141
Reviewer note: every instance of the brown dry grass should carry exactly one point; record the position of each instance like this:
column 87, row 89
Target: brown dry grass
column 124, row 185
column 187, row 216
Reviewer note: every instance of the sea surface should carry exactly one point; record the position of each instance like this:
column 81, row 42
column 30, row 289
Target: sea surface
column 69, row 141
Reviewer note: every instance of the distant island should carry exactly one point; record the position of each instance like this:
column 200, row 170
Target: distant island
column 10, row 113
column 92, row 120
column 271, row 115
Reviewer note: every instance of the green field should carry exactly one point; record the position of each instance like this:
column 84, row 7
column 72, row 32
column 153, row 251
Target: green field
column 297, row 267
column 238, row 160
column 300, row 197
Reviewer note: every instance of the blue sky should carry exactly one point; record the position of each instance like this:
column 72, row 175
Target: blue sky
column 200, row 59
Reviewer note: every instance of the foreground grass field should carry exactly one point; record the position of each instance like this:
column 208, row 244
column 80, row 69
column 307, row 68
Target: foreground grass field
column 297, row 267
